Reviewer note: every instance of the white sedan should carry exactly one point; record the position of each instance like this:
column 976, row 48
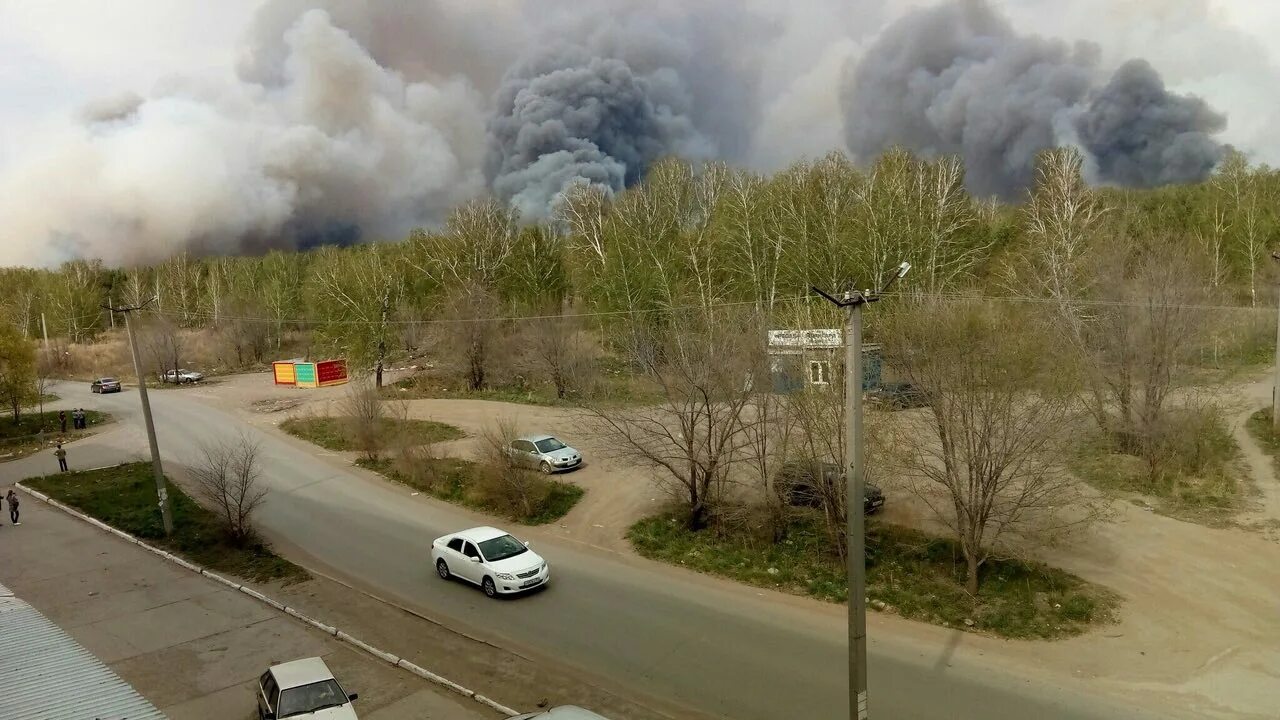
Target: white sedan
column 490, row 558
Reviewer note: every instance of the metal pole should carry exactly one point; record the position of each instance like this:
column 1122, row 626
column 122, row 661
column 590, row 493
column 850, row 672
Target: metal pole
column 1275, row 390
column 44, row 327
column 162, row 491
column 855, row 538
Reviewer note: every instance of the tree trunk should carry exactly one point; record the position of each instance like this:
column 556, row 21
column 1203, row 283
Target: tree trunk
column 971, row 576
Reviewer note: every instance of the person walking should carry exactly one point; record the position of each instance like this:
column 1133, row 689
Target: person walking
column 62, row 420
column 80, row 419
column 12, row 497
column 75, row 419
column 62, row 458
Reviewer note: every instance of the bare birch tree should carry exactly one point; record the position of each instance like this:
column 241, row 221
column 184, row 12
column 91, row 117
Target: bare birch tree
column 985, row 456
column 227, row 477
column 708, row 370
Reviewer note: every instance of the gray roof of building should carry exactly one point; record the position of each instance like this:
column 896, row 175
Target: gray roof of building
column 45, row 674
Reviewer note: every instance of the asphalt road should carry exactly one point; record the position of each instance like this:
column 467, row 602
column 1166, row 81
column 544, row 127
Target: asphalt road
column 714, row 647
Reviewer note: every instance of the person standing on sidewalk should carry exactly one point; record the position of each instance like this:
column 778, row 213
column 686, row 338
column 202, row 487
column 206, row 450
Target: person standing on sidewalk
column 12, row 497
column 62, row 420
column 62, row 458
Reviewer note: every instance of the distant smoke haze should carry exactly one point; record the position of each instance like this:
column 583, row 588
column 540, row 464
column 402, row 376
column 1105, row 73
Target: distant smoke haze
column 957, row 79
column 350, row 122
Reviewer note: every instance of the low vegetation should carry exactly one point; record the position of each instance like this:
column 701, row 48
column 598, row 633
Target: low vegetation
column 466, row 483
column 24, row 438
column 612, row 387
column 908, row 573
column 1260, row 427
column 1194, row 475
column 125, row 498
column 334, row 433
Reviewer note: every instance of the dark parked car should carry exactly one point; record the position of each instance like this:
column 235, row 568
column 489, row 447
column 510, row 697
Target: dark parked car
column 898, row 396
column 105, row 385
column 798, row 481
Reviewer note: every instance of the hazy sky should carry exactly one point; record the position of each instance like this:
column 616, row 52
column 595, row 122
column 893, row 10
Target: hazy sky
column 60, row 54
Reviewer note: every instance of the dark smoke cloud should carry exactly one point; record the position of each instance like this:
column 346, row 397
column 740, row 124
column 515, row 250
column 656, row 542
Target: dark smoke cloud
column 1141, row 134
column 957, row 79
column 635, row 87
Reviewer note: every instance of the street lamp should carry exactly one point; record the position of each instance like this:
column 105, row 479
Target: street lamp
column 855, row 486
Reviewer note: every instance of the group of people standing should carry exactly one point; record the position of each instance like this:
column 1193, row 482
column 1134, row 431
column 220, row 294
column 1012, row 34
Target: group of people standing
column 78, row 421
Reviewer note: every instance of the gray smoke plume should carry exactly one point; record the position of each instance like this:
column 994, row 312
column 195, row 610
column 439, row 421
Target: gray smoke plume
column 1140, row 134
column 322, row 144
column 957, row 79
column 637, row 86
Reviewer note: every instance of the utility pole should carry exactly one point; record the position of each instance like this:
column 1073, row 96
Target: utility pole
column 855, row 488
column 162, row 490
column 1275, row 388
column 382, row 336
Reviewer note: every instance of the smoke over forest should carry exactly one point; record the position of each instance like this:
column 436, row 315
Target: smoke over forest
column 348, row 122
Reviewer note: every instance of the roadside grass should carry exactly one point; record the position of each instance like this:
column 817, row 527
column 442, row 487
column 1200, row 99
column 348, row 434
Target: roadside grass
column 1199, row 479
column 460, row 482
column 24, row 438
column 333, row 433
column 125, row 498
column 611, row 390
column 1259, row 426
column 914, row 575
column 43, row 399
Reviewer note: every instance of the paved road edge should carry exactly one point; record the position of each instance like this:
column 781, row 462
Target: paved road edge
column 327, row 629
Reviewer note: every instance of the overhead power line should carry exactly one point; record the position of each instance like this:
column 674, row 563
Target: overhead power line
column 947, row 296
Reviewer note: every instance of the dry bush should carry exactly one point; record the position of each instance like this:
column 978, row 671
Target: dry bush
column 227, row 478
column 365, row 418
column 507, row 487
column 557, row 350
column 416, row 464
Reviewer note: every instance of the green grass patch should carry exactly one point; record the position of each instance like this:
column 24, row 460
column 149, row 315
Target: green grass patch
column 460, row 482
column 24, row 438
column 1260, row 427
column 915, row 575
column 124, row 497
column 333, row 433
column 611, row 389
column 46, row 399
column 32, row 423
column 1197, row 478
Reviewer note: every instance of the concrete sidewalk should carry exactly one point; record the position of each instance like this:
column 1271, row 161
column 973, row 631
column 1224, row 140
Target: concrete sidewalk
column 190, row 645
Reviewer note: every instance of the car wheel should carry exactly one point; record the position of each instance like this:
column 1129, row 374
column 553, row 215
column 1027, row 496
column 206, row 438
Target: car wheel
column 545, row 467
column 443, row 569
column 489, row 588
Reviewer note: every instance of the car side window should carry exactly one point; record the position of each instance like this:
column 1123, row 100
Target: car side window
column 270, row 690
column 528, row 447
column 455, row 545
column 515, row 445
column 470, row 550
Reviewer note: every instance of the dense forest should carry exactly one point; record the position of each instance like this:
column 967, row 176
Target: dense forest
column 693, row 236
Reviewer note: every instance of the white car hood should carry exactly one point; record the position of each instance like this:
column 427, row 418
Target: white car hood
column 520, row 563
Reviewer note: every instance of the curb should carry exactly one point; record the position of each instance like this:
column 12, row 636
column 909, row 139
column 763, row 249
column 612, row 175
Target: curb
column 327, row 629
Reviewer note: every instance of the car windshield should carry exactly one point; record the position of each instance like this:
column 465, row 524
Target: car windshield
column 310, row 698
column 501, row 548
column 550, row 445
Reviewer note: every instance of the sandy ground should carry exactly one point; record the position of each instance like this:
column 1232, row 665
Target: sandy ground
column 1201, row 613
